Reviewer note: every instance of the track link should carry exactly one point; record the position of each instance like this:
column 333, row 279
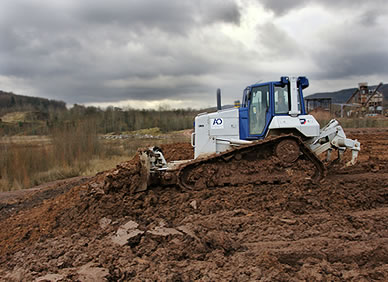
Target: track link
column 282, row 159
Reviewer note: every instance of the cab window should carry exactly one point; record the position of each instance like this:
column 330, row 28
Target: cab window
column 282, row 100
column 259, row 103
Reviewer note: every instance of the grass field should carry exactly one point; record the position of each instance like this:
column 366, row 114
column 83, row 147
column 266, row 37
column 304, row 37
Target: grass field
column 27, row 161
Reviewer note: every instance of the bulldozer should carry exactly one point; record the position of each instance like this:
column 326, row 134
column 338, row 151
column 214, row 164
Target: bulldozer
column 267, row 138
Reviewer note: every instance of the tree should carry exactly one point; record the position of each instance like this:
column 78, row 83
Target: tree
column 12, row 103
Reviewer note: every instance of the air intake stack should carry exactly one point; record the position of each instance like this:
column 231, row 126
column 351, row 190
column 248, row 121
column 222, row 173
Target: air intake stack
column 219, row 99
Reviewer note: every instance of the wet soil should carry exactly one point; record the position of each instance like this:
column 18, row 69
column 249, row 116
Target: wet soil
column 14, row 201
column 177, row 151
column 276, row 160
column 99, row 230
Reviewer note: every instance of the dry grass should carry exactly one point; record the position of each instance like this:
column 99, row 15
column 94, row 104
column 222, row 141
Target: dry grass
column 14, row 117
column 37, row 140
column 23, row 165
column 101, row 164
column 72, row 150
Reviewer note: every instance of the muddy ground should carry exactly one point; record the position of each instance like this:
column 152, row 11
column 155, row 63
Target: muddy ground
column 96, row 229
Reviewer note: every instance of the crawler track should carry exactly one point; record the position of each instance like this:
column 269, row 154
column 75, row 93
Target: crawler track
column 277, row 160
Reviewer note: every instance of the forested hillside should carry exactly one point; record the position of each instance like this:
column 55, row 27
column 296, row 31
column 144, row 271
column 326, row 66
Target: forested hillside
column 25, row 115
column 10, row 102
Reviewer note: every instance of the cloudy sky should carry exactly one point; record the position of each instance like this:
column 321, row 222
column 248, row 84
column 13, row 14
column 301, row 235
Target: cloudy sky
column 145, row 53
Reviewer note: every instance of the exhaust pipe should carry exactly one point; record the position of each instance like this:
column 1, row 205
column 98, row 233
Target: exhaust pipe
column 219, row 99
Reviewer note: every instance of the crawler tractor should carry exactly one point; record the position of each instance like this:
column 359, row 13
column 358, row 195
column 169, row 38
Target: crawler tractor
column 269, row 138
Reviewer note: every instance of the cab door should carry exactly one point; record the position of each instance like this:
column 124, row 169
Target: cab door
column 259, row 110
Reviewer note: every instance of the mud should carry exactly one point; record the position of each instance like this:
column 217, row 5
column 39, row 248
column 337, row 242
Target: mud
column 100, row 231
column 13, row 201
column 177, row 151
column 274, row 160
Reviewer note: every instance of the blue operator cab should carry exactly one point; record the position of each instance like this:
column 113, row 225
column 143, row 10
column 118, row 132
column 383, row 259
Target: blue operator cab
column 262, row 102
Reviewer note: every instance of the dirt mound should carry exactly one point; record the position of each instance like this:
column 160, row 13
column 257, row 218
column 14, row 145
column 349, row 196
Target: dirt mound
column 177, row 151
column 276, row 160
column 335, row 230
column 14, row 201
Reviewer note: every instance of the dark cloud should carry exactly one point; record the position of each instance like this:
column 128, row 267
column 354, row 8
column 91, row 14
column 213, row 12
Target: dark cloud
column 282, row 7
column 372, row 14
column 219, row 10
column 138, row 15
column 340, row 65
column 107, row 51
column 67, row 49
column 177, row 16
column 278, row 43
column 353, row 48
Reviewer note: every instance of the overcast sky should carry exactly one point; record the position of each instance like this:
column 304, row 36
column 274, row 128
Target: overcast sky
column 145, row 53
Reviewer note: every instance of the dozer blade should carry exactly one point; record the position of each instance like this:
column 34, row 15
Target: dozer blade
column 144, row 172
